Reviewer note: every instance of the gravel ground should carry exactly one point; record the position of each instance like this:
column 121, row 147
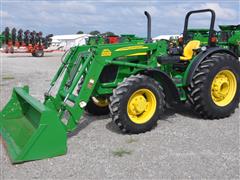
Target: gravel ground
column 180, row 147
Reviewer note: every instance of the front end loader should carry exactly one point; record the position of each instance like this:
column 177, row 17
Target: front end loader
column 131, row 80
column 32, row 130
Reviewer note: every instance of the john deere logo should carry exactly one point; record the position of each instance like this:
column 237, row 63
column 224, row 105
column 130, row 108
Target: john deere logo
column 106, row 52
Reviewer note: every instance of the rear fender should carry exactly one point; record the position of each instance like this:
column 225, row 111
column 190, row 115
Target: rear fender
column 199, row 58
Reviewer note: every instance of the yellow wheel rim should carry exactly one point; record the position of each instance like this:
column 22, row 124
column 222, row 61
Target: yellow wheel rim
column 100, row 102
column 224, row 88
column 141, row 106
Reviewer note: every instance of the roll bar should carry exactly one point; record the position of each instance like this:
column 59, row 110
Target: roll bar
column 211, row 28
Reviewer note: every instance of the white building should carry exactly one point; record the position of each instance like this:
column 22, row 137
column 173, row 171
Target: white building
column 65, row 42
column 166, row 37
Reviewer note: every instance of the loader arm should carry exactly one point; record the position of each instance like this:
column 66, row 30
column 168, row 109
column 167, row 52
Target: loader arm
column 77, row 65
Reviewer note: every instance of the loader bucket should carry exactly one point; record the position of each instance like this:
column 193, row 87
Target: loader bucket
column 30, row 129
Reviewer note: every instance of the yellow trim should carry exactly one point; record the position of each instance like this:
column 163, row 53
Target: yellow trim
column 100, row 102
column 185, row 58
column 131, row 48
column 138, row 54
column 141, row 106
column 223, row 88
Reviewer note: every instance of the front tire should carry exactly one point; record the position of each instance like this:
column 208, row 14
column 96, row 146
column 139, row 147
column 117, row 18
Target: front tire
column 97, row 106
column 137, row 103
column 215, row 89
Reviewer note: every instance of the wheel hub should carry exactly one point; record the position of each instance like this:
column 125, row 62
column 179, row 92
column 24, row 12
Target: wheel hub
column 224, row 87
column 138, row 105
column 141, row 106
column 220, row 87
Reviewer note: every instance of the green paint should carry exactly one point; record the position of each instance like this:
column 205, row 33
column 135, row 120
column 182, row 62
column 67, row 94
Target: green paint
column 31, row 130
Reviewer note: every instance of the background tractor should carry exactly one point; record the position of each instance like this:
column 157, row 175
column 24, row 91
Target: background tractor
column 132, row 81
column 100, row 39
column 228, row 37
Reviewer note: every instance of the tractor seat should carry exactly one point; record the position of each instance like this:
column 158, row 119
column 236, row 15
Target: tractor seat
column 189, row 50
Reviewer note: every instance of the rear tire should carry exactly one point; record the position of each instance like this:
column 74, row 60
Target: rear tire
column 215, row 88
column 137, row 103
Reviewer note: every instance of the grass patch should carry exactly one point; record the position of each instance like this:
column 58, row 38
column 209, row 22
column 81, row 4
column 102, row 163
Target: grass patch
column 131, row 140
column 8, row 77
column 121, row 152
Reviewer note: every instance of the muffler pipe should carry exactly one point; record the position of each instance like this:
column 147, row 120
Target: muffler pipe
column 149, row 39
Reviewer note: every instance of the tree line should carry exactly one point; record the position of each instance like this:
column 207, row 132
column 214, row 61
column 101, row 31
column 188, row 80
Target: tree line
column 96, row 32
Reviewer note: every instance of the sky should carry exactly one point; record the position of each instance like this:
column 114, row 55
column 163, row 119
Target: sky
column 120, row 17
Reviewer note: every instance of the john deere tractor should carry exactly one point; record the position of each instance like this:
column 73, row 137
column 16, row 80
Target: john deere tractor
column 132, row 81
column 100, row 39
column 228, row 37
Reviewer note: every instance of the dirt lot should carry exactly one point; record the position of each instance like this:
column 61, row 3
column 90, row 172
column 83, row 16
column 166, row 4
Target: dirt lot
column 181, row 146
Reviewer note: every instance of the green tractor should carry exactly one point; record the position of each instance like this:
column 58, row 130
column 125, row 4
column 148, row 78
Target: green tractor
column 229, row 37
column 99, row 39
column 95, row 40
column 134, row 82
column 200, row 35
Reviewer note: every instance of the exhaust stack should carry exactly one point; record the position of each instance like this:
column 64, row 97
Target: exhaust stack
column 149, row 39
